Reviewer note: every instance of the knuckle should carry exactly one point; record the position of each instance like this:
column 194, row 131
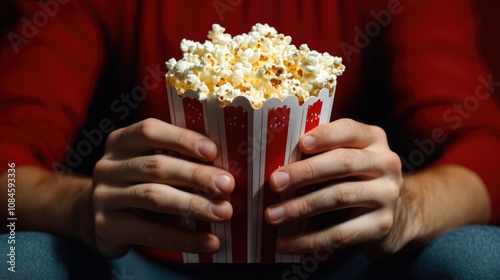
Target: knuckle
column 202, row 179
column 322, row 200
column 308, row 243
column 393, row 191
column 346, row 122
column 195, row 205
column 378, row 132
column 394, row 176
column 342, row 238
column 356, row 127
column 101, row 168
column 385, row 223
column 154, row 166
column 314, row 242
column 393, row 162
column 184, row 139
column 343, row 196
column 347, row 162
column 100, row 223
column 113, row 138
column 113, row 135
column 302, row 171
column 99, row 197
column 302, row 207
column 308, row 171
column 147, row 128
column 99, row 220
column 149, row 194
column 329, row 130
column 198, row 175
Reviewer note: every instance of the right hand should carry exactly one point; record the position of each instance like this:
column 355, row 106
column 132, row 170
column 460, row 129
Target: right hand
column 131, row 180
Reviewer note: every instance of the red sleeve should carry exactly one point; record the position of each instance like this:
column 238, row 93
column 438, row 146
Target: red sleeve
column 448, row 107
column 49, row 64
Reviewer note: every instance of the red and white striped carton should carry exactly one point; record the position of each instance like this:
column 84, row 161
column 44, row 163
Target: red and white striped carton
column 252, row 143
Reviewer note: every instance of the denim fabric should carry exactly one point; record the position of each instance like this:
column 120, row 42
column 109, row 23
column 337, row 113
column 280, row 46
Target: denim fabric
column 471, row 252
column 468, row 253
column 44, row 256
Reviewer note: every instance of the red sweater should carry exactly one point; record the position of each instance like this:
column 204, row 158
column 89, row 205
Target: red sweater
column 412, row 67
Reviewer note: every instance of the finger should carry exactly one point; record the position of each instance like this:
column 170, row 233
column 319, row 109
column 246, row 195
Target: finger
column 165, row 169
column 334, row 164
column 163, row 199
column 365, row 228
column 128, row 228
column 152, row 134
column 342, row 133
column 368, row 194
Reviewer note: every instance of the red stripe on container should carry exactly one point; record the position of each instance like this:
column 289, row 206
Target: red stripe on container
column 313, row 115
column 236, row 124
column 193, row 115
column 276, row 140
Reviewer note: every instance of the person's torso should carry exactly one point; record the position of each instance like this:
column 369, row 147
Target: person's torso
column 159, row 26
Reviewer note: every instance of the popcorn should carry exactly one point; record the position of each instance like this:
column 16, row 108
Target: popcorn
column 259, row 65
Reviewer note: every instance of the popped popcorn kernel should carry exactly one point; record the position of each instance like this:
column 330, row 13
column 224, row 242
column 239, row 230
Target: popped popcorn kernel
column 259, row 64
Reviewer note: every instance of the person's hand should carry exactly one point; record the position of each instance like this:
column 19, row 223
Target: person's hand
column 359, row 171
column 133, row 183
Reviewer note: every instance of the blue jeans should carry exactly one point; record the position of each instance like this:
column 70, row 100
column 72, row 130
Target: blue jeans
column 471, row 252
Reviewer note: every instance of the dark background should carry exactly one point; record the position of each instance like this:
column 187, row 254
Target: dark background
column 488, row 37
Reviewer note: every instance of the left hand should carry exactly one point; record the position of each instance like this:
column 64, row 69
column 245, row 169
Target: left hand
column 358, row 170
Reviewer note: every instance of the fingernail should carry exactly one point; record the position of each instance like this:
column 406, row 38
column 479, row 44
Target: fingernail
column 285, row 245
column 276, row 213
column 206, row 148
column 222, row 183
column 207, row 245
column 219, row 210
column 309, row 142
column 281, row 179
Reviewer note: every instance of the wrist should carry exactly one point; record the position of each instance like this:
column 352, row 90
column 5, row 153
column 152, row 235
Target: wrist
column 82, row 211
column 441, row 198
column 409, row 216
column 50, row 203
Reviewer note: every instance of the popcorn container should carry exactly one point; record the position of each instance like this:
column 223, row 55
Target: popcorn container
column 252, row 143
